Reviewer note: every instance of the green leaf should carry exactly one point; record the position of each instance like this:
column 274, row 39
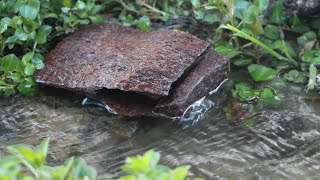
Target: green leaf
column 145, row 163
column 195, row 3
column 306, row 37
column 43, row 150
column 277, row 13
column 21, row 34
column 311, row 56
column 29, row 26
column 67, row 3
column 262, row 4
column 255, row 28
column 271, row 32
column 144, row 23
column 29, row 70
column 261, row 73
column 298, row 25
column 199, row 14
column 27, row 86
column 30, row 9
column 37, row 61
column 239, row 7
column 244, row 92
column 180, row 173
column 9, row 168
column 80, row 5
column 42, row 34
column 27, row 57
column 242, row 62
column 96, row 19
column 295, row 76
column 285, row 47
column 227, row 50
column 15, row 77
column 250, row 14
column 211, row 18
column 269, row 96
column 82, row 171
column 312, row 77
column 4, row 24
column 11, row 63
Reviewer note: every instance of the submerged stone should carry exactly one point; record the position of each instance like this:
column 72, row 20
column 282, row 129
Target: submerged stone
column 135, row 73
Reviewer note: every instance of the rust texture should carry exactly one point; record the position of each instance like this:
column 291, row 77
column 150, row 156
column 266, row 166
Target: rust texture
column 135, row 73
column 114, row 57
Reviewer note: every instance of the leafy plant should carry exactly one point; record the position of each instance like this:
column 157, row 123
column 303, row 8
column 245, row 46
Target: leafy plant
column 28, row 163
column 267, row 95
column 26, row 27
column 147, row 167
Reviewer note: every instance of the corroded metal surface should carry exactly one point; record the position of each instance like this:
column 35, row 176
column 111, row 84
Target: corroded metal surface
column 114, row 57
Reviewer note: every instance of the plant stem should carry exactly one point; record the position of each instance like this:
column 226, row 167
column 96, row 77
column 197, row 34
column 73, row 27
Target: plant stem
column 127, row 7
column 230, row 6
column 1, row 46
column 150, row 7
column 261, row 44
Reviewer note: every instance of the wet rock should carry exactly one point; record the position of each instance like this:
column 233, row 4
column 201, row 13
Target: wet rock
column 307, row 8
column 200, row 81
column 135, row 73
column 114, row 57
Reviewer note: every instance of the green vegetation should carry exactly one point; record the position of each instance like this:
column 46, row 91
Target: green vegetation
column 255, row 34
column 147, row 167
column 30, row 164
column 27, row 29
column 27, row 163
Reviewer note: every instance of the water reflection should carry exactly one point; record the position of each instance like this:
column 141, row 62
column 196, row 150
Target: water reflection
column 283, row 142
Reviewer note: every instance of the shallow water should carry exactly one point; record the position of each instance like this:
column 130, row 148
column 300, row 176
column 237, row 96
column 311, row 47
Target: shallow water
column 282, row 142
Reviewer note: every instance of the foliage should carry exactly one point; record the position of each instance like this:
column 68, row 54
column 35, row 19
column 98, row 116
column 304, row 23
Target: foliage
column 249, row 102
column 262, row 27
column 26, row 28
column 147, row 167
column 28, row 163
column 253, row 33
column 265, row 96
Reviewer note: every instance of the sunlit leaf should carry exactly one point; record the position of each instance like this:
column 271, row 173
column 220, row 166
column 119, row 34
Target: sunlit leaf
column 11, row 63
column 144, row 23
column 30, row 9
column 261, row 73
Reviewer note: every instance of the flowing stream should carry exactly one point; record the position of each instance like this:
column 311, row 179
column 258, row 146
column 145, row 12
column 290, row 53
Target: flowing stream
column 281, row 142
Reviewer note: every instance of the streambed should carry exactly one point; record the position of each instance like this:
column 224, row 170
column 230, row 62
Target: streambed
column 282, row 142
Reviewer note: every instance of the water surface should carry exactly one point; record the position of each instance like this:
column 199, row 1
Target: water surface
column 283, row 142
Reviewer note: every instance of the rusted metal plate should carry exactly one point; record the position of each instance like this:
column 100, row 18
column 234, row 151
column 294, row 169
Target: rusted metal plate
column 113, row 57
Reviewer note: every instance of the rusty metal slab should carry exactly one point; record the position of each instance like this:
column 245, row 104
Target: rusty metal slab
column 113, row 57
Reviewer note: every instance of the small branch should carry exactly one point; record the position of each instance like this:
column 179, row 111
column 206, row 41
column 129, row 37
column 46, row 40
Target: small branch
column 150, row 7
column 261, row 44
column 127, row 7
